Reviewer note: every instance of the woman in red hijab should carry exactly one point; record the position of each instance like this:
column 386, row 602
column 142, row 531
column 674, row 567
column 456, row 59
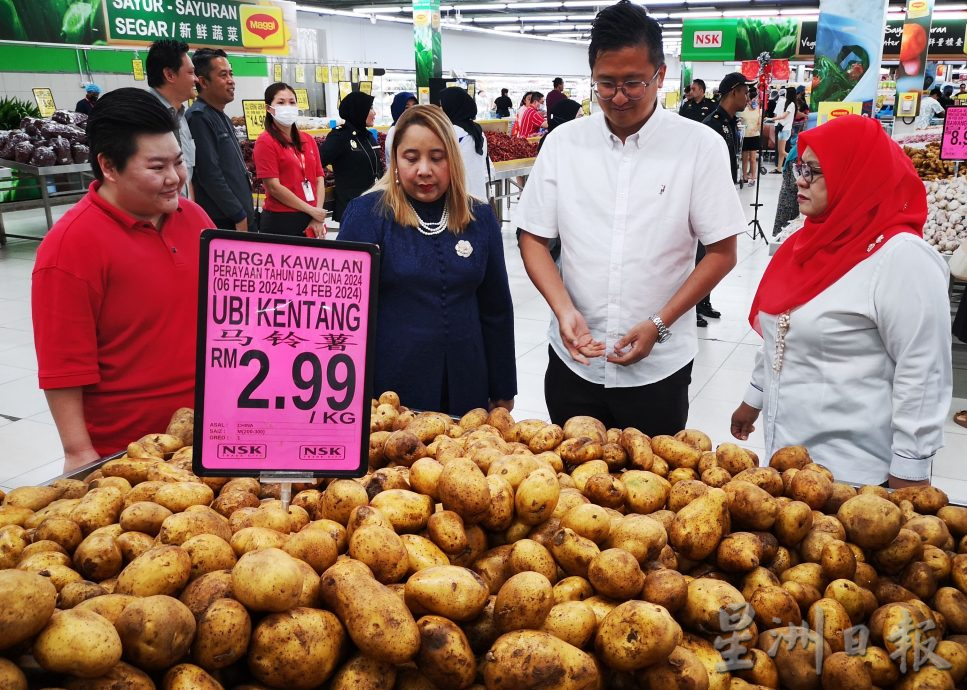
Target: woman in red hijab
column 854, row 315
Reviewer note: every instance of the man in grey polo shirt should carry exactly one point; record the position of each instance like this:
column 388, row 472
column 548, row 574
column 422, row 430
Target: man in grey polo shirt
column 171, row 77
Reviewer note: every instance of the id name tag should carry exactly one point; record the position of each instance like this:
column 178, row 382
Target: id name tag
column 308, row 191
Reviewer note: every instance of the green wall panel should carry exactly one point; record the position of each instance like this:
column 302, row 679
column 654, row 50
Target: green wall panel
column 52, row 60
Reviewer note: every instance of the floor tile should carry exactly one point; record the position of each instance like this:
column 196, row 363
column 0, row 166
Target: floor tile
column 38, row 475
column 20, row 356
column 22, row 397
column 27, row 445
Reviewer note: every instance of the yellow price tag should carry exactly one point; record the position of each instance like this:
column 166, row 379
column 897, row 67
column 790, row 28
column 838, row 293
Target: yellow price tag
column 345, row 88
column 343, row 73
column 355, row 74
column 322, row 74
column 302, row 99
column 370, row 73
column 254, row 118
column 300, row 74
column 137, row 66
column 830, row 110
column 366, row 87
column 277, row 71
column 45, row 101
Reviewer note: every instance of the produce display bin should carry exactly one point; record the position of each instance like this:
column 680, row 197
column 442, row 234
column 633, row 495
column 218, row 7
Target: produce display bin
column 503, row 178
column 75, row 189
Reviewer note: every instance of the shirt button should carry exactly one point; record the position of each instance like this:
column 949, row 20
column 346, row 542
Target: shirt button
column 174, row 250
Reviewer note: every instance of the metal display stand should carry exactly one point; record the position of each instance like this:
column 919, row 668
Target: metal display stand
column 503, row 179
column 41, row 174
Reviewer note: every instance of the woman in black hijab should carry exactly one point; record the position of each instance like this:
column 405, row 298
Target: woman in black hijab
column 461, row 109
column 565, row 111
column 349, row 148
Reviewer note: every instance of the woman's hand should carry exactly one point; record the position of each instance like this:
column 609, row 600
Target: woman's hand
column 506, row 404
column 743, row 421
column 319, row 229
column 317, row 214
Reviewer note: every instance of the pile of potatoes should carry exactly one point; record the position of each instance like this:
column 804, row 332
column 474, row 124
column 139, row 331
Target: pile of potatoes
column 477, row 553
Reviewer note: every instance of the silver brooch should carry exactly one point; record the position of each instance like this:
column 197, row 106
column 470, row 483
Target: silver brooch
column 872, row 246
column 464, row 249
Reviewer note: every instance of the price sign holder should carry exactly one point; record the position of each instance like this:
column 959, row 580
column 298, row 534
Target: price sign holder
column 284, row 371
column 953, row 144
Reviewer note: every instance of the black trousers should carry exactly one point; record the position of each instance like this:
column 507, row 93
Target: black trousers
column 657, row 408
column 292, row 224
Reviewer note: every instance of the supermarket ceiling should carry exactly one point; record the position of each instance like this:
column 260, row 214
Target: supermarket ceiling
column 571, row 19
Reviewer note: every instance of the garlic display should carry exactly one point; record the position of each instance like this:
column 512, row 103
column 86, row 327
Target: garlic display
column 946, row 225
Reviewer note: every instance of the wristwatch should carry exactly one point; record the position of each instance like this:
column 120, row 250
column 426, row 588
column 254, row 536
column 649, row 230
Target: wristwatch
column 663, row 333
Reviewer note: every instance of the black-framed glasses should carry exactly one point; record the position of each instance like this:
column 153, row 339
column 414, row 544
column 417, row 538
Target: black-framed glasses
column 633, row 90
column 803, row 171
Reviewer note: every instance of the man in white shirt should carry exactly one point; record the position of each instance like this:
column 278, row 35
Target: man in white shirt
column 171, row 78
column 929, row 108
column 629, row 192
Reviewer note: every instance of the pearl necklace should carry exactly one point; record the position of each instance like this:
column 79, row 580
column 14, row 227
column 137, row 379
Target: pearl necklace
column 782, row 327
column 431, row 229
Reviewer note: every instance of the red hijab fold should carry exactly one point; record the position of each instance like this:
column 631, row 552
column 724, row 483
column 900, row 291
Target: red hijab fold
column 873, row 190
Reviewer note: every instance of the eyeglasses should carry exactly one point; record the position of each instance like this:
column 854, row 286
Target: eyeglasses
column 633, row 90
column 802, row 171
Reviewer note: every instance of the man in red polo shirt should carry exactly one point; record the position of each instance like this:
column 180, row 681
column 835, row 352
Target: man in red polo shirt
column 115, row 286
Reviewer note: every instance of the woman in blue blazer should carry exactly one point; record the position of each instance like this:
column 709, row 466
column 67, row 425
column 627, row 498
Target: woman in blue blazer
column 445, row 322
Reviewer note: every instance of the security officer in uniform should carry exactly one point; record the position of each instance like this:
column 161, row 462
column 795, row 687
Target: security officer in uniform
column 697, row 107
column 734, row 90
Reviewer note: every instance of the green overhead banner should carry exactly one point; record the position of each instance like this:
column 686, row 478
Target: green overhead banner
column 715, row 40
column 239, row 26
column 427, row 41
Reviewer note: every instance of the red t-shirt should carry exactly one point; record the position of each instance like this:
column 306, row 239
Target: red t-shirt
column 115, row 312
column 530, row 122
column 284, row 162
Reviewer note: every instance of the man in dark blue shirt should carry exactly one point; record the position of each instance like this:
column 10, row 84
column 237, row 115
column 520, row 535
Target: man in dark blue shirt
column 697, row 107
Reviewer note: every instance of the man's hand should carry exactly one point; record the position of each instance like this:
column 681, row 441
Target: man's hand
column 897, row 483
column 743, row 421
column 242, row 226
column 635, row 345
column 78, row 458
column 577, row 337
column 506, row 404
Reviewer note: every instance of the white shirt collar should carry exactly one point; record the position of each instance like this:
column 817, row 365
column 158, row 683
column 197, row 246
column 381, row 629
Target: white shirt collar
column 639, row 137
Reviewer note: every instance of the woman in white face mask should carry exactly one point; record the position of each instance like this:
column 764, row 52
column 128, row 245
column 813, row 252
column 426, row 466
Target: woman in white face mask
column 287, row 162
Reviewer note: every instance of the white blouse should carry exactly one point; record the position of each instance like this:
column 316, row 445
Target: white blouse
column 474, row 164
column 866, row 379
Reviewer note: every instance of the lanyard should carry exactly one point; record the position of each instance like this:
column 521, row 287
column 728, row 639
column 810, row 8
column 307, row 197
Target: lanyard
column 301, row 159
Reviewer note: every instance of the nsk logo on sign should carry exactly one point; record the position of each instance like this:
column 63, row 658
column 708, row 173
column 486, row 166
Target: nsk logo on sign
column 262, row 26
column 707, row 39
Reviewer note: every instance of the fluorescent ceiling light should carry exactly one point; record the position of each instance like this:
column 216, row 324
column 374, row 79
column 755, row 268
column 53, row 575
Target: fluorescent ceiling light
column 492, row 6
column 518, row 29
column 750, row 13
column 945, row 14
column 502, row 19
column 585, row 3
column 543, row 17
column 382, row 9
column 559, row 27
column 532, row 5
column 671, row 26
column 800, row 11
column 695, row 15
column 580, row 17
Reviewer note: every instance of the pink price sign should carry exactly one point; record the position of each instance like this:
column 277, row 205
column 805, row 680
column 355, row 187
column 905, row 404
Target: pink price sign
column 953, row 146
column 285, row 342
